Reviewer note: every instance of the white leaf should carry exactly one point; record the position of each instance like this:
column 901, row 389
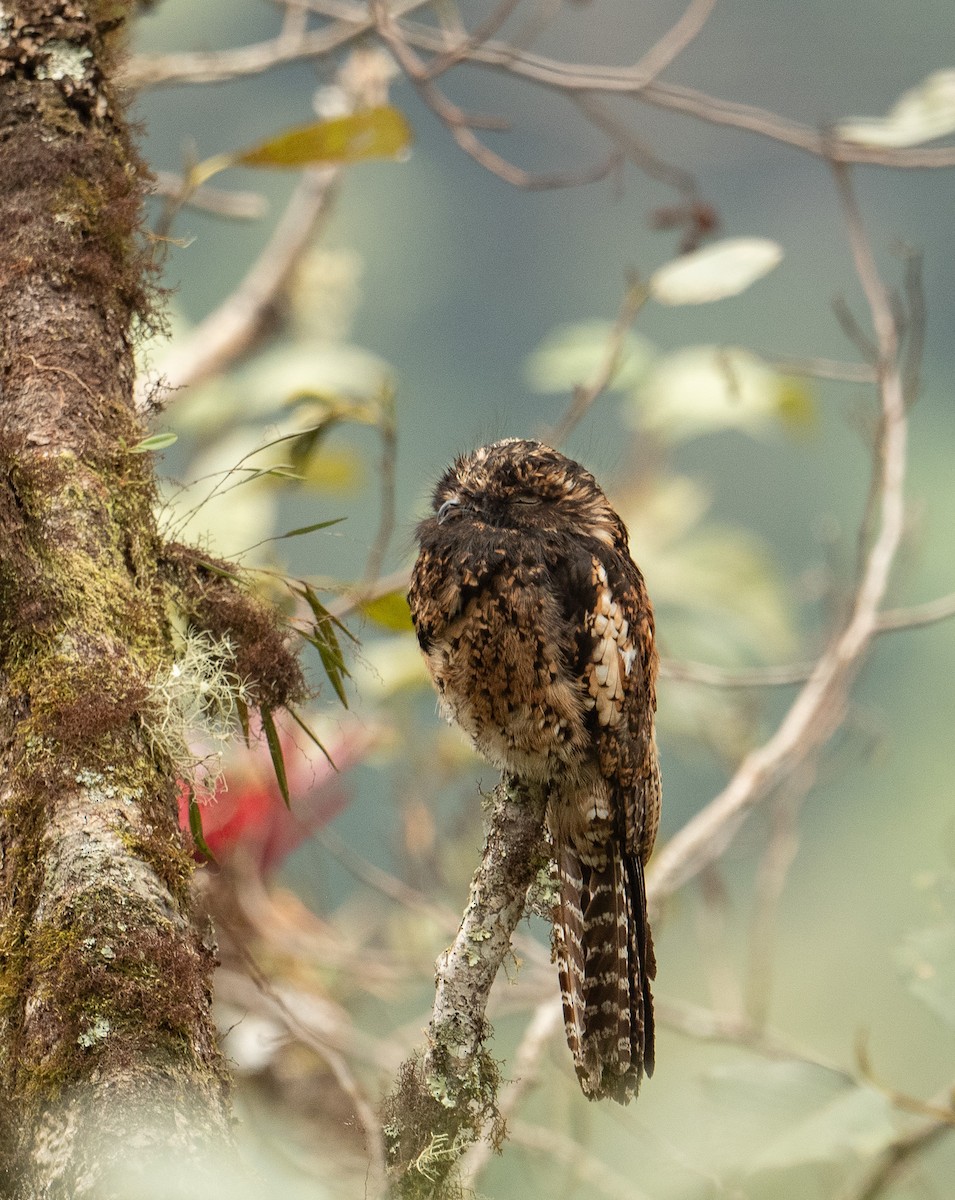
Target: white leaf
column 724, row 269
column 573, row 354
column 919, row 115
column 703, row 389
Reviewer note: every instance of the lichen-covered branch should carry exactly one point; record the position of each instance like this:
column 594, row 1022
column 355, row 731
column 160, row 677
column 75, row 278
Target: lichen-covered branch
column 107, row 1049
column 446, row 1097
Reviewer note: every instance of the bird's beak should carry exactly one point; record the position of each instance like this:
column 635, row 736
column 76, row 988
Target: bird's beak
column 447, row 508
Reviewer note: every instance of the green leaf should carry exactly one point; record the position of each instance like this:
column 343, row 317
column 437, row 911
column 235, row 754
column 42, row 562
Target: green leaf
column 375, row 133
column 195, row 828
column 928, row 961
column 390, row 611
column 275, row 750
column 156, row 441
column 323, row 637
column 300, row 532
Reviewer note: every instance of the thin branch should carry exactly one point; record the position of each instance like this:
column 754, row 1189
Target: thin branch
column 675, row 40
column 682, row 671
column 143, row 71
column 582, row 1166
column 238, row 206
column 775, row 863
column 481, row 33
column 228, row 332
column 586, row 395
column 825, row 368
column 461, row 126
column 388, row 429
column 567, row 77
column 919, row 615
column 894, row 1161
column 817, row 709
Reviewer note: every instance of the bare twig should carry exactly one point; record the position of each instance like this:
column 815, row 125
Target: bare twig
column 234, row 326
column 675, row 40
column 583, row 1166
column 461, row 125
column 629, row 81
column 238, row 206
column 919, row 615
column 682, row 671
column 388, row 429
column 778, row 856
column 818, row 707
column 825, row 368
column 585, row 395
column 894, row 1161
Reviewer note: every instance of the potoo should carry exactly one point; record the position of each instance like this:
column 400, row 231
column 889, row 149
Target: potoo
column 538, row 633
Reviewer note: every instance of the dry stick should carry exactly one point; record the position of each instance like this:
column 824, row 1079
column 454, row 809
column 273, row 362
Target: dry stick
column 584, row 397
column 233, row 327
column 582, row 1165
column 777, row 859
column 461, row 125
column 818, row 708
column 144, row 71
column 628, row 81
column 893, row 1161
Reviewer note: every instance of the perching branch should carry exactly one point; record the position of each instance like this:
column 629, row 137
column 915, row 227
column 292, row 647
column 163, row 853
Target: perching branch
column 446, row 1098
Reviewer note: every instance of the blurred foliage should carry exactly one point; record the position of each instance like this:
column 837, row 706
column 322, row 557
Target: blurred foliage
column 423, row 306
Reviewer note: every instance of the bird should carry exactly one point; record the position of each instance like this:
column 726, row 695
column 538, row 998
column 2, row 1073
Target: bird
column 538, row 633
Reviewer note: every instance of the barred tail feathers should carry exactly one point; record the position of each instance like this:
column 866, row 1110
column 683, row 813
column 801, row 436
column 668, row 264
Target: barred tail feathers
column 605, row 962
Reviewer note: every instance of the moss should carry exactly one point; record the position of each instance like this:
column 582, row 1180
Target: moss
column 166, row 856
column 107, row 983
column 434, row 1115
column 211, row 596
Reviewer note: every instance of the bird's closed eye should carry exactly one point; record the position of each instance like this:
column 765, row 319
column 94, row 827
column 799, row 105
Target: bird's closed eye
column 525, row 498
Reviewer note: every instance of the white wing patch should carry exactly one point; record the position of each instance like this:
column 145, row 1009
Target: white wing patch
column 613, row 656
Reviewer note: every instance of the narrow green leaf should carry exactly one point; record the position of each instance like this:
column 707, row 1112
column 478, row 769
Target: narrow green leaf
column 156, row 441
column 375, row 133
column 390, row 611
column 275, row 750
column 334, row 669
column 309, row 528
column 195, row 828
column 311, row 733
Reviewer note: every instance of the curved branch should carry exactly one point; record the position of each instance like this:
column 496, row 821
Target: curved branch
column 225, row 334
column 818, row 708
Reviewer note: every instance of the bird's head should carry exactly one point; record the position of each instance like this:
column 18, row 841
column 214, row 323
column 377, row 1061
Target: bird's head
column 522, row 484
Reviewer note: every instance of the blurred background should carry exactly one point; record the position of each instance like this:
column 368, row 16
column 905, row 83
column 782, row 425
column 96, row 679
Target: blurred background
column 436, row 308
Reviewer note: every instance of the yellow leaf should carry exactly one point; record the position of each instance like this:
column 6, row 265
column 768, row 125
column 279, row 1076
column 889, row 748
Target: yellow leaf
column 375, row 133
column 390, row 611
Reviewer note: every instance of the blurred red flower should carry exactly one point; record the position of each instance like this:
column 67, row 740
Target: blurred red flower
column 247, row 815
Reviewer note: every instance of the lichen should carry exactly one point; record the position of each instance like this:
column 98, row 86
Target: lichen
column 65, row 60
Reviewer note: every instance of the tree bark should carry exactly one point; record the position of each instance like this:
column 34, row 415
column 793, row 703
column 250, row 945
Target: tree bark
column 107, row 1049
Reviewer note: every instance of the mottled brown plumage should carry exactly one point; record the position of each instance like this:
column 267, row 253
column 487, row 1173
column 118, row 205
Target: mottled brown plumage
column 538, row 633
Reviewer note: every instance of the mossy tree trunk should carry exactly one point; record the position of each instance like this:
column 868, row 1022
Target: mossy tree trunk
column 106, row 1043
